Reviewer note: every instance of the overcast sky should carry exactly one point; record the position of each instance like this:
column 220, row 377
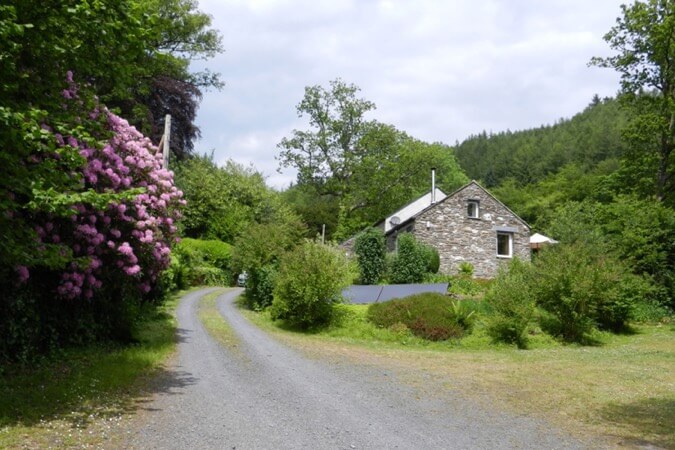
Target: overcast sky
column 440, row 70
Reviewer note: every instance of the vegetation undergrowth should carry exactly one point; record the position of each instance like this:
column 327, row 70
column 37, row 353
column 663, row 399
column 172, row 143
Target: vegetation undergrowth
column 201, row 262
column 214, row 322
column 74, row 398
column 431, row 316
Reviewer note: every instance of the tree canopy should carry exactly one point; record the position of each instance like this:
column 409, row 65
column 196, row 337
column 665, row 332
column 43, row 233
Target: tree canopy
column 643, row 39
column 134, row 55
column 224, row 202
column 358, row 170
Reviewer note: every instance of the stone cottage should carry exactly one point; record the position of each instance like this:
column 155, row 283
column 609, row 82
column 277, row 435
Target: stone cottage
column 470, row 225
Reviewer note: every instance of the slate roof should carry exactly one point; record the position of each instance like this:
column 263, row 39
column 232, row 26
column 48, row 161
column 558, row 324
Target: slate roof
column 411, row 218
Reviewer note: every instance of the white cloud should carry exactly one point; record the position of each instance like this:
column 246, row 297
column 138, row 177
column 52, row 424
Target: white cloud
column 438, row 70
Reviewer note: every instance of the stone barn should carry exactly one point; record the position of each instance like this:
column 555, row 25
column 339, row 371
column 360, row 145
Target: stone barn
column 470, row 225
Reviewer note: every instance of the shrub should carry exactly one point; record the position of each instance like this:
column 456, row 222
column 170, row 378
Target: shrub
column 629, row 291
column 466, row 268
column 430, row 316
column 203, row 262
column 206, row 276
column 639, row 231
column 98, row 223
column 370, row 255
column 411, row 261
column 438, row 278
column 260, row 287
column 257, row 251
column 465, row 285
column 510, row 304
column 464, row 314
column 171, row 279
column 583, row 289
column 309, row 283
column 128, row 240
column 214, row 252
column 433, row 258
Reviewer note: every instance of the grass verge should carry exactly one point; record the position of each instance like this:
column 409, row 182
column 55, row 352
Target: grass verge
column 79, row 399
column 622, row 389
column 214, row 322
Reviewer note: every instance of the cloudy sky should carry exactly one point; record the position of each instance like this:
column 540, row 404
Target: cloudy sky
column 440, row 70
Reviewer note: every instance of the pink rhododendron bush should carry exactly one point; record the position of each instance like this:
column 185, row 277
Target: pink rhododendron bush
column 99, row 223
column 127, row 240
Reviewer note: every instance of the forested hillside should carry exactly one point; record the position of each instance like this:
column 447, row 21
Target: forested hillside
column 584, row 181
column 589, row 138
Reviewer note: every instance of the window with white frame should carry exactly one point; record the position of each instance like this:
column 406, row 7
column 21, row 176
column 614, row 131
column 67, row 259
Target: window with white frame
column 504, row 244
column 473, row 209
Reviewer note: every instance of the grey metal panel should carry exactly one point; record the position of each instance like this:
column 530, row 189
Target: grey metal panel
column 362, row 294
column 371, row 294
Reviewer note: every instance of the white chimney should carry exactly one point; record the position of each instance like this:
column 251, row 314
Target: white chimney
column 433, row 185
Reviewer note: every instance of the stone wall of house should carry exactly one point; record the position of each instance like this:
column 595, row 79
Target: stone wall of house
column 348, row 245
column 459, row 238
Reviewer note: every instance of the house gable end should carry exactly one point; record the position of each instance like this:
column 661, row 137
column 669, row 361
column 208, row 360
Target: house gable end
column 460, row 237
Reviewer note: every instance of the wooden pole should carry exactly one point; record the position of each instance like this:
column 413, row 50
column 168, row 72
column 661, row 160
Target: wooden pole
column 166, row 139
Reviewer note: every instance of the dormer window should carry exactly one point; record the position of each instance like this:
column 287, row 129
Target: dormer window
column 473, row 209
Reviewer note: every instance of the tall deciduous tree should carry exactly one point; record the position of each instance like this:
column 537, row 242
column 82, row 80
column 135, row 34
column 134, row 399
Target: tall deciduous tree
column 644, row 37
column 134, row 54
column 177, row 34
column 326, row 157
column 394, row 170
column 358, row 169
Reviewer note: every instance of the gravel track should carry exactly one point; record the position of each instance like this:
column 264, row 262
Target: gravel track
column 263, row 395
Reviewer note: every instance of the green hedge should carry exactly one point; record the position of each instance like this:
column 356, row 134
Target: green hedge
column 202, row 262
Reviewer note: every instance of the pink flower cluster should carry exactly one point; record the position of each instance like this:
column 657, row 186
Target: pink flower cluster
column 126, row 241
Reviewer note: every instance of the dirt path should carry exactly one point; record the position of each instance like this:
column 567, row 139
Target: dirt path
column 264, row 395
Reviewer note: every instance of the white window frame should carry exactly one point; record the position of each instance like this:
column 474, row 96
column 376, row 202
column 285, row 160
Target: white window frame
column 476, row 204
column 509, row 236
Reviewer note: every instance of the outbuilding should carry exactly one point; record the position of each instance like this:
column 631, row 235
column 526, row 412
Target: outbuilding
column 467, row 226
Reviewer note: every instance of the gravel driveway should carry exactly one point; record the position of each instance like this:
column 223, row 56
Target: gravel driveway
column 264, row 395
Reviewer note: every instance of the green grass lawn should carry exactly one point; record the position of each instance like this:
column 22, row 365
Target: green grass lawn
column 622, row 388
column 77, row 399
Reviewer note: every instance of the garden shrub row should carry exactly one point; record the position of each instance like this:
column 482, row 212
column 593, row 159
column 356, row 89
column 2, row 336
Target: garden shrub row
column 411, row 262
column 569, row 291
